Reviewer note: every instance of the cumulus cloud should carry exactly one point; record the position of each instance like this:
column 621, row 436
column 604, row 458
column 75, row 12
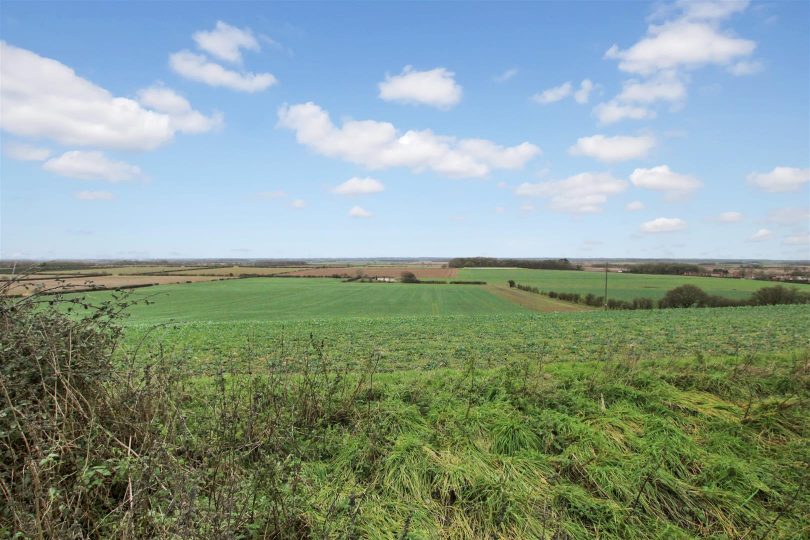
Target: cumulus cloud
column 780, row 179
column 43, row 98
column 682, row 43
column 613, row 149
column 199, row 68
column 298, row 203
column 666, row 86
column 182, row 116
column 674, row 185
column 729, row 217
column 435, row 87
column 691, row 37
column 91, row 166
column 94, row 196
column 582, row 95
column 580, row 194
column 552, row 95
column 25, row 152
column 359, row 186
column 634, row 206
column 761, row 234
column 663, row 225
column 613, row 111
column 358, row 212
column 379, row 145
column 226, row 42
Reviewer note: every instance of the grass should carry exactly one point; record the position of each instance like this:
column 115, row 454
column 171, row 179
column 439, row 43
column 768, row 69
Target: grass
column 276, row 299
column 620, row 286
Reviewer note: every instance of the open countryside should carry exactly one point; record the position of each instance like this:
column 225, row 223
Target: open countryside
column 405, row 270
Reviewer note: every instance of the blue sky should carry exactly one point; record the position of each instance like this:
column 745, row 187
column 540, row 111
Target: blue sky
column 579, row 129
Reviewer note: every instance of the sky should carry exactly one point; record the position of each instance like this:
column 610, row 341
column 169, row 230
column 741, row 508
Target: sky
column 387, row 129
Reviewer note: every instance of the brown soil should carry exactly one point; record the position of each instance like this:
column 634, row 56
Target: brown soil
column 421, row 272
column 102, row 282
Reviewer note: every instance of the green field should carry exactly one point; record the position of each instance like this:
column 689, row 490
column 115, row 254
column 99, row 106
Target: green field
column 306, row 298
column 621, row 286
column 313, row 408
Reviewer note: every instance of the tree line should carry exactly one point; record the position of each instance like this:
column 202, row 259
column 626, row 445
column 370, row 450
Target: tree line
column 491, row 262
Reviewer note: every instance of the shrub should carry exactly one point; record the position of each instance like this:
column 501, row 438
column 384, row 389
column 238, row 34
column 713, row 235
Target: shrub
column 683, row 297
column 408, row 277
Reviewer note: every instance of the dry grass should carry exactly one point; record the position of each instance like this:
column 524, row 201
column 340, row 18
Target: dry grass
column 535, row 302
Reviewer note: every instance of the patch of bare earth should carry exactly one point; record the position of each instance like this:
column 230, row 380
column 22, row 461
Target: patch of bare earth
column 26, row 288
column 421, row 272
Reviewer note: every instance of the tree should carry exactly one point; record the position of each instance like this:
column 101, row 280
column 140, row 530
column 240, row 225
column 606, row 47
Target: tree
column 408, row 277
column 684, row 296
column 511, row 283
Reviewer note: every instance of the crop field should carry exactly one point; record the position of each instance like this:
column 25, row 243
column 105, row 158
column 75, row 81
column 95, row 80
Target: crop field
column 301, row 299
column 621, row 286
column 240, row 271
column 428, row 341
column 318, row 408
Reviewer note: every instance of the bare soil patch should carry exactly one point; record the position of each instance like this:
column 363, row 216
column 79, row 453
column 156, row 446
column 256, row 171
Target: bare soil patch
column 99, row 283
column 420, row 271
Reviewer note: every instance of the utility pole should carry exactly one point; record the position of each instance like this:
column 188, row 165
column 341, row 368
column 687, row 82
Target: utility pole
column 606, row 272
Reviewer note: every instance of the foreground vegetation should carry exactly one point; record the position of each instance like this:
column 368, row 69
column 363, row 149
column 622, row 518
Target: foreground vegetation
column 100, row 441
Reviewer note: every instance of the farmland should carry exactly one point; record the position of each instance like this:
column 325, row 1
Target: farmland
column 621, row 286
column 324, row 408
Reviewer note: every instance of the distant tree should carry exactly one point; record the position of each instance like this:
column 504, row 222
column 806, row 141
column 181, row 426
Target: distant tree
column 511, row 283
column 683, row 297
column 408, row 277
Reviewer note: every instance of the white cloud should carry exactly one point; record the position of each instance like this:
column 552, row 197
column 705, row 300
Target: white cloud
column 502, row 185
column 198, row 68
column 762, row 234
column 634, row 206
column 298, row 203
column 797, row 240
column 661, row 178
column 435, row 87
column 553, row 94
column 43, row 98
column 613, row 149
column 528, row 207
column 682, row 43
column 780, row 179
column 91, row 166
column 359, row 186
column 94, row 196
column 358, row 212
column 582, row 95
column 666, row 86
column 613, row 111
column 711, row 9
column 729, row 217
column 500, row 209
column 506, row 75
column 226, row 41
column 663, row 225
column 379, row 145
column 789, row 216
column 25, row 152
column 743, row 68
column 580, row 194
column 182, row 116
